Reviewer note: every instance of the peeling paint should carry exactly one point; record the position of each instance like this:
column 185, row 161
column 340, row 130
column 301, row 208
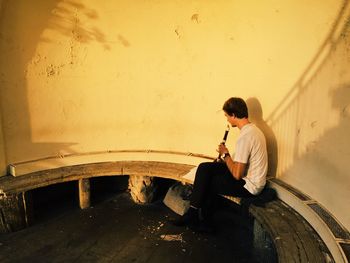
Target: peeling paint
column 313, row 124
column 345, row 112
column 195, row 18
column 52, row 70
column 178, row 32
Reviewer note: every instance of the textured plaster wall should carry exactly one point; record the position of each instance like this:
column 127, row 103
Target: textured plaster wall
column 2, row 141
column 82, row 76
column 312, row 124
column 2, row 150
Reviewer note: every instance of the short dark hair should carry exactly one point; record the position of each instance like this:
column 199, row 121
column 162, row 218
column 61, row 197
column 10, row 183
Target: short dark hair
column 236, row 106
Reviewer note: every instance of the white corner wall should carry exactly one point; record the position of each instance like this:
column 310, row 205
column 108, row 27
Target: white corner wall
column 312, row 124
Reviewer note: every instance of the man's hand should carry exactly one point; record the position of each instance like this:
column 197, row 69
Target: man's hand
column 222, row 149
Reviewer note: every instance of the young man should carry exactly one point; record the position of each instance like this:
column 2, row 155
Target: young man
column 242, row 175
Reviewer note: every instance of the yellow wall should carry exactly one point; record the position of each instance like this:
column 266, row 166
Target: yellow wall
column 2, row 150
column 2, row 141
column 82, row 76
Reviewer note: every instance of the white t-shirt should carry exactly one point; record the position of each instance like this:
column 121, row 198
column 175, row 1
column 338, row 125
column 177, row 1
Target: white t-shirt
column 251, row 150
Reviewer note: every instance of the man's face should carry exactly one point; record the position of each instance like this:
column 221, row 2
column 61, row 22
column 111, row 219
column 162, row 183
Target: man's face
column 231, row 119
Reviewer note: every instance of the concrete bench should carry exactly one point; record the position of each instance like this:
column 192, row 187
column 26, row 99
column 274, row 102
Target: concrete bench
column 292, row 237
column 277, row 224
column 15, row 209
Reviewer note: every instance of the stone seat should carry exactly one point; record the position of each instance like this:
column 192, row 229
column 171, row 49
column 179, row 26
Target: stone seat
column 15, row 209
column 292, row 237
column 277, row 223
column 267, row 194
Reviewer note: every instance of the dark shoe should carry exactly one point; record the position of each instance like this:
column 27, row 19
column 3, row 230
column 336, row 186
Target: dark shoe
column 203, row 227
column 188, row 219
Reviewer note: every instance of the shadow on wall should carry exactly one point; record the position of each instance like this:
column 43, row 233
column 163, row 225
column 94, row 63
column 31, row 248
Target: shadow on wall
column 66, row 18
column 256, row 116
column 312, row 124
column 21, row 25
column 308, row 111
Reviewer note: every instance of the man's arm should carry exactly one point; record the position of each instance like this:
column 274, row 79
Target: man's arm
column 236, row 169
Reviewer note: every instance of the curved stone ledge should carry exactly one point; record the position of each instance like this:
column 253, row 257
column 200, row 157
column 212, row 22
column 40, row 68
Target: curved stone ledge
column 293, row 238
column 16, row 187
column 333, row 234
column 53, row 162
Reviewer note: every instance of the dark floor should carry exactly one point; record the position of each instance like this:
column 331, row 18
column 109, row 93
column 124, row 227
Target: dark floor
column 118, row 230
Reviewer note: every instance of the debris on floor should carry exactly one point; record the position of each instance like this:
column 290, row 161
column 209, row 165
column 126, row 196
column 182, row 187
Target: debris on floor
column 172, row 237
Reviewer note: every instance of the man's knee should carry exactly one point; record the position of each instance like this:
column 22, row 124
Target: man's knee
column 203, row 171
column 211, row 167
column 204, row 166
column 207, row 168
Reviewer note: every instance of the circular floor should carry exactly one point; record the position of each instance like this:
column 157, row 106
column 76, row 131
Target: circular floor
column 118, row 230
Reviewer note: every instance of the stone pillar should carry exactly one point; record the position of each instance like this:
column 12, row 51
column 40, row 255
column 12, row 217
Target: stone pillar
column 141, row 188
column 16, row 212
column 84, row 193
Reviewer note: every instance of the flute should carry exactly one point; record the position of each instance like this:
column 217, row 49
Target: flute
column 223, row 141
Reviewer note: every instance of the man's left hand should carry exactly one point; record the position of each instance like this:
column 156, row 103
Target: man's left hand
column 222, row 149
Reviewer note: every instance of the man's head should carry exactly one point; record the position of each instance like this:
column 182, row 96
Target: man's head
column 236, row 107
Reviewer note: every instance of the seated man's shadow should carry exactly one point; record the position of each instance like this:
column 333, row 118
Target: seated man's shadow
column 256, row 117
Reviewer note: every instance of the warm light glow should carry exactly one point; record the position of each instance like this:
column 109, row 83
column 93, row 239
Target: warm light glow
column 85, row 76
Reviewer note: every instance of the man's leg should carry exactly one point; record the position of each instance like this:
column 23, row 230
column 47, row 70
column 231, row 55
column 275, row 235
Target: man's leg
column 202, row 185
column 221, row 184
column 211, row 179
column 226, row 184
column 201, row 189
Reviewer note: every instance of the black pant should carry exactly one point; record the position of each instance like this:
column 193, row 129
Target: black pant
column 212, row 179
